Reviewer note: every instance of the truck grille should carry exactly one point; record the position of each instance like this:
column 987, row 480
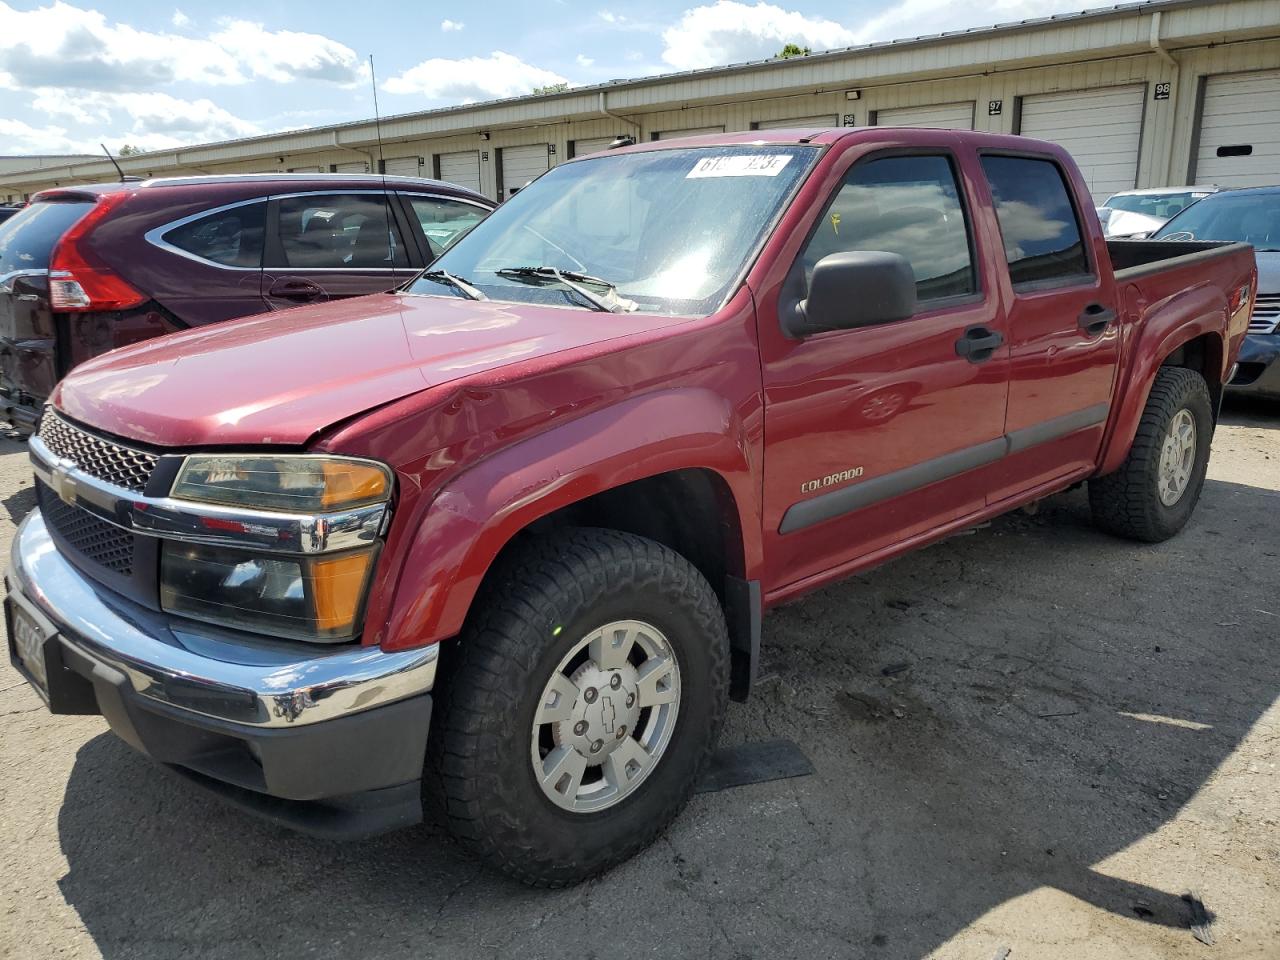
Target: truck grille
column 97, row 541
column 1266, row 314
column 102, row 459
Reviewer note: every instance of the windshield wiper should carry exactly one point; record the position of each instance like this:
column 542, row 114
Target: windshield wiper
column 449, row 280
column 611, row 303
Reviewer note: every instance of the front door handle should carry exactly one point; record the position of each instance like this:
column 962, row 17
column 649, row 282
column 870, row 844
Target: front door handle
column 978, row 344
column 1095, row 319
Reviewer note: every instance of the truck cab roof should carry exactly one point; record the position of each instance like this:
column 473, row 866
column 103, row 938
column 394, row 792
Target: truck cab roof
column 848, row 136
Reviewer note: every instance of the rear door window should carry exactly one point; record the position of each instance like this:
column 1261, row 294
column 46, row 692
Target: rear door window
column 907, row 205
column 337, row 231
column 444, row 221
column 27, row 239
column 230, row 237
column 1042, row 237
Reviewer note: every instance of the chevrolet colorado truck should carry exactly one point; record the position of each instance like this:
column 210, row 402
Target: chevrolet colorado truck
column 497, row 546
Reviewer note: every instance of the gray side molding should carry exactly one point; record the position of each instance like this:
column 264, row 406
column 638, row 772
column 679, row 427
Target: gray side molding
column 848, row 499
column 833, row 504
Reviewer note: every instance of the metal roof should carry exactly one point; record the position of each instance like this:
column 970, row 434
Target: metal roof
column 1143, row 6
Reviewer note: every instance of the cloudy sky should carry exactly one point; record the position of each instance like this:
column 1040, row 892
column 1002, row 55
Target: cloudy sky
column 74, row 74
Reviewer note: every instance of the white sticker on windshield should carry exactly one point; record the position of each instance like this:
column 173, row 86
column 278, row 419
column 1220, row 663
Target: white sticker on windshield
column 740, row 165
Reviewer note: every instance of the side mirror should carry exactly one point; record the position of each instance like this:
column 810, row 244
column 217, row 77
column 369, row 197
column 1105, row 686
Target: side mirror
column 859, row 288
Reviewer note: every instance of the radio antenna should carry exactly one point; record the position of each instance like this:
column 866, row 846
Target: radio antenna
column 377, row 119
column 382, row 171
column 113, row 161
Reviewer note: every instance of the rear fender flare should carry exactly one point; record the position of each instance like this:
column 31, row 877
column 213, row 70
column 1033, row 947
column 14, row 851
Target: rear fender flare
column 477, row 513
column 1179, row 321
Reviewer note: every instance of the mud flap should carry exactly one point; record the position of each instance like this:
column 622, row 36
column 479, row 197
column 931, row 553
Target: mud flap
column 743, row 613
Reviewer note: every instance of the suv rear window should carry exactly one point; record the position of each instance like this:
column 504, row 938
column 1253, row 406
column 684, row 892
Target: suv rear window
column 231, row 237
column 27, row 239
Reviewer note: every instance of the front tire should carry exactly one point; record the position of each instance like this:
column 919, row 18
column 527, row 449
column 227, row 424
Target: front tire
column 587, row 694
column 1152, row 495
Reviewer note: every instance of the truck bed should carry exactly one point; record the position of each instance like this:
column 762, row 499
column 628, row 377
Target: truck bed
column 1137, row 258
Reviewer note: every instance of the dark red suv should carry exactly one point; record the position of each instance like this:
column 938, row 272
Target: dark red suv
column 84, row 270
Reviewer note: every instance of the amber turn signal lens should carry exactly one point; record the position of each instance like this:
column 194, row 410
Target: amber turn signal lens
column 338, row 587
column 346, row 483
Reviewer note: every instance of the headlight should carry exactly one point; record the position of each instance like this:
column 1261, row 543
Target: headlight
column 318, row 596
column 293, row 483
column 304, row 598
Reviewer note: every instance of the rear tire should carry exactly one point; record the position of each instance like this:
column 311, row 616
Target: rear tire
column 1152, row 495
column 526, row 700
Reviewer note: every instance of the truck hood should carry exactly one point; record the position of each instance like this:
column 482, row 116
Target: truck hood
column 280, row 378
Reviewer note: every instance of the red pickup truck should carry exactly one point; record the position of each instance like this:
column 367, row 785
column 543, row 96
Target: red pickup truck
column 479, row 543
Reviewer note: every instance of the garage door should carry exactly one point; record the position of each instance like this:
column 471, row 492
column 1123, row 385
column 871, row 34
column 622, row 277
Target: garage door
column 522, row 164
column 462, row 168
column 403, row 167
column 304, row 169
column 826, row 120
column 1240, row 130
column 942, row 116
column 1100, row 128
column 688, row 132
column 591, row 145
column 356, row 167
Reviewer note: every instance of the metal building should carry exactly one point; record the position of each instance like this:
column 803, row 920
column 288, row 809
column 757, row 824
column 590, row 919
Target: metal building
column 1143, row 94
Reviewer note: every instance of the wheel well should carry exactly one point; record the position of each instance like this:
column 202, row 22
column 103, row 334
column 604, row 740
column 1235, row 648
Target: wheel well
column 1203, row 355
column 691, row 511
column 694, row 513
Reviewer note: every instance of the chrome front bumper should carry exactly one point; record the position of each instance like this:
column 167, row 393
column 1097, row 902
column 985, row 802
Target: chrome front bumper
column 220, row 674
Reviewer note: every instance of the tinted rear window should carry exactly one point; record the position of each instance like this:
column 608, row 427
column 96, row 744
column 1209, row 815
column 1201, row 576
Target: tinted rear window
column 232, row 237
column 28, row 238
column 1042, row 237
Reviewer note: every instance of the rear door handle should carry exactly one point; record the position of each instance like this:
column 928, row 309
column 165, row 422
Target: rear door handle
column 978, row 344
column 1095, row 319
column 294, row 288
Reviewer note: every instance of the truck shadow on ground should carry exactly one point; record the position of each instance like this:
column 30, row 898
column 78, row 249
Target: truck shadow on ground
column 996, row 714
column 1251, row 411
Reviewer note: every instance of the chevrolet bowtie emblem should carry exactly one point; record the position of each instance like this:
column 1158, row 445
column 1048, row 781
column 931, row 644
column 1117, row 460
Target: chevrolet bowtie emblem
column 62, row 483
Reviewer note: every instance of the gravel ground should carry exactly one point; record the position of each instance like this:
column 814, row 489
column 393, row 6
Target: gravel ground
column 1030, row 737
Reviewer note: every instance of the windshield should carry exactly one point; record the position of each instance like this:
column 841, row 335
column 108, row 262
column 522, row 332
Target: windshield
column 671, row 230
column 1162, row 206
column 1248, row 217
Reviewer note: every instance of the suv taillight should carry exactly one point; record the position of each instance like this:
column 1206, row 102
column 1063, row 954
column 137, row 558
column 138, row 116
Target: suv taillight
column 78, row 281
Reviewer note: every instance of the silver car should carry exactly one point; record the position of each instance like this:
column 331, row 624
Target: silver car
column 1134, row 213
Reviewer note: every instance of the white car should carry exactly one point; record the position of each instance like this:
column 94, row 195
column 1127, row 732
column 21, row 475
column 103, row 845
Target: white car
column 1133, row 213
